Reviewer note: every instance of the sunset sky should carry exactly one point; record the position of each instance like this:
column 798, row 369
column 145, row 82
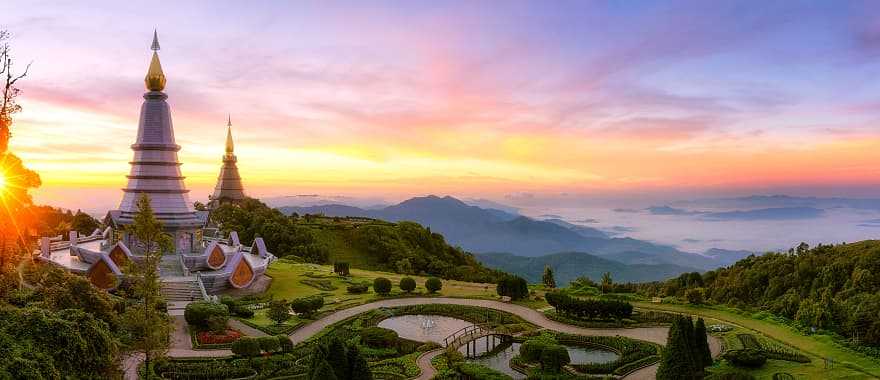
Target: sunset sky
column 492, row 99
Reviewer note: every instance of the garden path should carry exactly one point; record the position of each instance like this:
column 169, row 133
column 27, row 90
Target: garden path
column 182, row 345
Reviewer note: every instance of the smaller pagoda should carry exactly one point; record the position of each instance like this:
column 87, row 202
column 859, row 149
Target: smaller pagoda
column 229, row 188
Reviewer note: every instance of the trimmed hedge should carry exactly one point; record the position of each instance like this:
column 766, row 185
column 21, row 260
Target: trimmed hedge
column 475, row 371
column 269, row 343
column 748, row 357
column 589, row 308
column 378, row 337
column 554, row 357
column 246, row 346
column 284, row 343
column 358, row 288
column 198, row 313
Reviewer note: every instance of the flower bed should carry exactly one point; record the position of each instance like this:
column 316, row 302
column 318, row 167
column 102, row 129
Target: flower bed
column 210, row 337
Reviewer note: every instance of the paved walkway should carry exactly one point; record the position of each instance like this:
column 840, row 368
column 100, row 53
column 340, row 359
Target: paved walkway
column 182, row 345
column 424, row 363
column 650, row 334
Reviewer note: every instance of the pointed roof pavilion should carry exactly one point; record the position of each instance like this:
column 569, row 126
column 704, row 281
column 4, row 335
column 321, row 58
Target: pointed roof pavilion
column 229, row 188
column 155, row 169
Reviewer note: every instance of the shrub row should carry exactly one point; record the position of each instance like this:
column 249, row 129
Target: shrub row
column 747, row 357
column 252, row 346
column 589, row 308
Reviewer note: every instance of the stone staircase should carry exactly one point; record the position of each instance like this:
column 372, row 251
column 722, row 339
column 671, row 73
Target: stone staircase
column 170, row 266
column 178, row 288
column 181, row 289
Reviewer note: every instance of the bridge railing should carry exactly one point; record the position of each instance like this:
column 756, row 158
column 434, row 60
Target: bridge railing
column 472, row 330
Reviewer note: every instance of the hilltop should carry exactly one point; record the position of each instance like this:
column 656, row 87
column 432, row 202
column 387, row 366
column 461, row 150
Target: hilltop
column 365, row 243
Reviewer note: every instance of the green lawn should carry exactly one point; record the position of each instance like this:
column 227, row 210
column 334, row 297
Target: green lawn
column 851, row 365
column 287, row 277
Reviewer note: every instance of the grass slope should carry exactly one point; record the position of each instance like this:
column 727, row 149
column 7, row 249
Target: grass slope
column 850, row 365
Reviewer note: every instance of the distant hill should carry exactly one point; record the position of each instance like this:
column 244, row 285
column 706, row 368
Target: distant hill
column 480, row 230
column 568, row 266
column 773, row 213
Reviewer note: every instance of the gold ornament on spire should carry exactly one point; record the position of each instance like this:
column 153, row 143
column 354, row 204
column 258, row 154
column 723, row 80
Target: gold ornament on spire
column 229, row 146
column 155, row 79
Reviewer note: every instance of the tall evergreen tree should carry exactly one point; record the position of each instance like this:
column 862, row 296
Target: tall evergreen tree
column 337, row 356
column 148, row 327
column 696, row 363
column 701, row 344
column 322, row 370
column 676, row 361
column 358, row 367
column 548, row 279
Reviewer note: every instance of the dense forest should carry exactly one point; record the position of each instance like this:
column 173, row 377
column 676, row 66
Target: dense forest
column 403, row 247
column 832, row 287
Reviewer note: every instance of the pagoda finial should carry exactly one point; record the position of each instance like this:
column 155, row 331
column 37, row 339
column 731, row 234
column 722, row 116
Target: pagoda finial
column 229, row 146
column 155, row 79
column 155, row 45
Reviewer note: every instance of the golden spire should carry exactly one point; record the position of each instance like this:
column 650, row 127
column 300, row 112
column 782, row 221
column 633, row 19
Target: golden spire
column 229, row 146
column 155, row 79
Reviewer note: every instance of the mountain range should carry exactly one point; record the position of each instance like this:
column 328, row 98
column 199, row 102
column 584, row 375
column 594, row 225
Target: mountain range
column 568, row 266
column 487, row 230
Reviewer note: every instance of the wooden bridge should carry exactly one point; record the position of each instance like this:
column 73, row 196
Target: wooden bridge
column 469, row 335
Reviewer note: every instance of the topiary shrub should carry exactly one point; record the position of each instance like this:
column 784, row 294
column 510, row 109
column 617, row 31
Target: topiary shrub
column 269, row 343
column 433, row 284
column 341, row 268
column 514, row 287
column 407, row 284
column 749, row 357
column 197, row 313
column 378, row 337
column 382, row 285
column 358, row 288
column 241, row 311
column 531, row 349
column 284, row 343
column 246, row 346
column 307, row 306
column 554, row 357
column 217, row 323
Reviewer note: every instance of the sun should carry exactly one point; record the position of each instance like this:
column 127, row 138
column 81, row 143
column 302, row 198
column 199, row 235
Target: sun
column 2, row 182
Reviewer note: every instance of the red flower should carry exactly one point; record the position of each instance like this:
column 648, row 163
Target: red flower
column 210, row 337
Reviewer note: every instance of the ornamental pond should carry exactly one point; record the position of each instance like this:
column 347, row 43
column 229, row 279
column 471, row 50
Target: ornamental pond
column 434, row 328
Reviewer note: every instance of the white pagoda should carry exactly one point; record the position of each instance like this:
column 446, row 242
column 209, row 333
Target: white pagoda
column 199, row 265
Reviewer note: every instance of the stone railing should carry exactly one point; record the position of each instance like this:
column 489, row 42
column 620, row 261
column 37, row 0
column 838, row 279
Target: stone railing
column 183, row 265
column 205, row 295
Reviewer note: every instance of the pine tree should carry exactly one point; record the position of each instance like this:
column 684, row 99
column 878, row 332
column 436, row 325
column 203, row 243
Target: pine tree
column 358, row 367
column 696, row 363
column 548, row 279
column 322, row 370
column 148, row 327
column 701, row 345
column 676, row 361
column 337, row 356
